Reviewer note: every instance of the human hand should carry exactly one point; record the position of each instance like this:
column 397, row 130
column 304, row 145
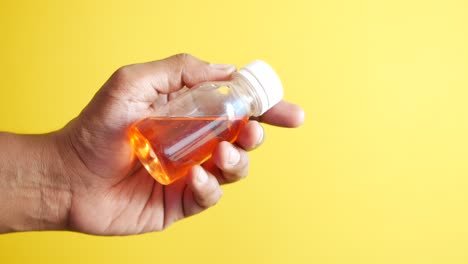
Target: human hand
column 110, row 193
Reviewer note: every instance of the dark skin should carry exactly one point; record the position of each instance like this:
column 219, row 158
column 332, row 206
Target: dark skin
column 85, row 178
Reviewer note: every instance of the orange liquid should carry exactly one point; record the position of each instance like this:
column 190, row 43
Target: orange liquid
column 169, row 146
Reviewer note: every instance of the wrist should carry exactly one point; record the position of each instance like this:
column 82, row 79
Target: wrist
column 35, row 193
column 56, row 187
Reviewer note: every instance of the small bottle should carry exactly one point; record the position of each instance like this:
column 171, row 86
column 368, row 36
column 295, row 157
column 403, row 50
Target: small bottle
column 185, row 131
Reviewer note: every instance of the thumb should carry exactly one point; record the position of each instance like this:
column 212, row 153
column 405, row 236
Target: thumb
column 171, row 74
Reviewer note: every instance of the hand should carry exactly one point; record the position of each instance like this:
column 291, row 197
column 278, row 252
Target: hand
column 110, row 192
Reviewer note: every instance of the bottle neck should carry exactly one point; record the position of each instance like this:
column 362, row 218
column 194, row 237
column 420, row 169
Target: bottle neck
column 245, row 90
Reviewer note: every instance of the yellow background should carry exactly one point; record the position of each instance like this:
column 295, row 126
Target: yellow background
column 378, row 173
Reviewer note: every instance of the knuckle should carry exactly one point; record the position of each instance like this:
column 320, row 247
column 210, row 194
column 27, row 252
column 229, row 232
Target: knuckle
column 203, row 202
column 123, row 74
column 183, row 57
column 234, row 177
column 220, row 194
column 209, row 199
column 216, row 196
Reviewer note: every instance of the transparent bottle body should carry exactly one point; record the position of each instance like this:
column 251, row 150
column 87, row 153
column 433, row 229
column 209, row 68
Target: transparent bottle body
column 185, row 131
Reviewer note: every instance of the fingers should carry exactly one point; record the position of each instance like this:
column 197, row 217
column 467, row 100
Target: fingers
column 251, row 136
column 283, row 114
column 232, row 163
column 203, row 191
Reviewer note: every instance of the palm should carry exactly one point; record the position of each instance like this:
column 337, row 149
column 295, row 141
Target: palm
column 126, row 199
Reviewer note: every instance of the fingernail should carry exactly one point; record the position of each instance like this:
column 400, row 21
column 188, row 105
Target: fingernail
column 234, row 156
column 202, row 177
column 261, row 132
column 223, row 67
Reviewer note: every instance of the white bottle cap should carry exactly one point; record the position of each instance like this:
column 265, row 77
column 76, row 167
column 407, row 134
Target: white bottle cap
column 266, row 83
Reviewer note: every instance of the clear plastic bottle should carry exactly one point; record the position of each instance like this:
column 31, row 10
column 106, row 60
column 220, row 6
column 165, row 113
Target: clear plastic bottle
column 185, row 131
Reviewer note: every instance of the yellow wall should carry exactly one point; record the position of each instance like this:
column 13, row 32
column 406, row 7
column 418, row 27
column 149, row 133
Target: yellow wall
column 378, row 173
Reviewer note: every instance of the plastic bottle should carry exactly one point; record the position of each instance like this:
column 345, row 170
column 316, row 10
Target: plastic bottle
column 185, row 131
